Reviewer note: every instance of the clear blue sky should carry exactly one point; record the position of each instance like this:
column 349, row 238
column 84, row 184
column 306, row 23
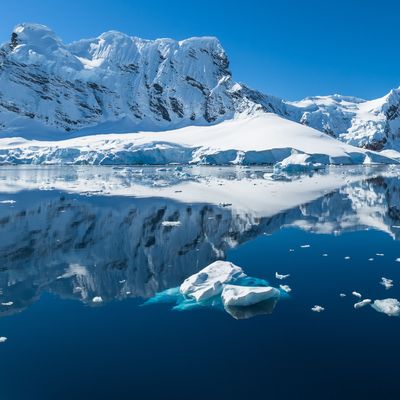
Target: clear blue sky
column 289, row 48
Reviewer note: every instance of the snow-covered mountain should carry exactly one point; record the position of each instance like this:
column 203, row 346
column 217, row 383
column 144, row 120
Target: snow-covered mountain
column 51, row 91
column 373, row 124
column 115, row 83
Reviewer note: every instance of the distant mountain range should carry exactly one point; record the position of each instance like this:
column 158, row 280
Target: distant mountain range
column 116, row 83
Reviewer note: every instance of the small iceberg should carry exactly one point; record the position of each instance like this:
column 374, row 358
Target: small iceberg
column 210, row 280
column 7, row 304
column 97, row 299
column 285, row 288
column 356, row 294
column 390, row 307
column 3, row 339
column 297, row 163
column 234, row 295
column 362, row 303
column 387, row 283
column 170, row 223
column 279, row 276
column 317, row 309
column 305, row 246
column 342, row 295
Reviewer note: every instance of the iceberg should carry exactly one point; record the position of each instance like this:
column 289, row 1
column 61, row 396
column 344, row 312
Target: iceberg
column 279, row 276
column 387, row 283
column 97, row 299
column 3, row 339
column 243, row 296
column 297, row 163
column 362, row 303
column 390, row 307
column 356, row 294
column 210, row 280
column 285, row 288
column 317, row 309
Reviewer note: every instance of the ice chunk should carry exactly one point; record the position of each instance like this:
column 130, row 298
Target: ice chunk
column 97, row 299
column 262, row 308
column 285, row 288
column 388, row 283
column 362, row 303
column 210, row 280
column 356, row 294
column 305, row 246
column 325, row 255
column 170, row 223
column 347, row 258
column 342, row 295
column 234, row 295
column 3, row 339
column 295, row 163
column 317, row 308
column 7, row 202
column 279, row 276
column 370, row 259
column 380, row 254
column 390, row 307
column 398, row 259
column 8, row 303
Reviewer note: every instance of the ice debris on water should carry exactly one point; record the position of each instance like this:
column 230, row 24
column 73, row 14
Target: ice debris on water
column 97, row 299
column 347, row 258
column 387, row 283
column 398, row 259
column 285, row 288
column 305, row 246
column 362, row 303
column 7, row 202
column 380, row 254
column 370, row 259
column 356, row 294
column 317, row 308
column 325, row 255
column 279, row 276
column 3, row 339
column 342, row 295
column 8, row 303
column 390, row 307
column 170, row 223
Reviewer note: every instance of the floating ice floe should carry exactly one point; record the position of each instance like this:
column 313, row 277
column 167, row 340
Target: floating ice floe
column 380, row 254
column 398, row 259
column 387, row 283
column 7, row 202
column 8, row 303
column 293, row 250
column 234, row 295
column 362, row 303
column 342, row 295
column 3, row 339
column 296, row 163
column 325, row 255
column 122, row 281
column 390, row 307
column 210, row 280
column 305, row 246
column 279, row 276
column 370, row 259
column 356, row 294
column 317, row 308
column 347, row 258
column 170, row 223
column 285, row 288
column 97, row 299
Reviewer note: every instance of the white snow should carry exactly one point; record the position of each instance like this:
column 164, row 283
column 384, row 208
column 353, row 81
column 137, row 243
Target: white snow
column 317, row 308
column 281, row 276
column 210, row 280
column 264, row 138
column 234, row 295
column 390, row 307
column 362, row 303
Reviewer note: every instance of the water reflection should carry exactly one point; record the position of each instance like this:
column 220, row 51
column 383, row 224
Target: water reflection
column 82, row 232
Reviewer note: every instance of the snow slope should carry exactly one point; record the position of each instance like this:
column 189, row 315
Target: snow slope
column 262, row 139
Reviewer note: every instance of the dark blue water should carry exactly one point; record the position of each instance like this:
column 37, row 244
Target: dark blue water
column 62, row 346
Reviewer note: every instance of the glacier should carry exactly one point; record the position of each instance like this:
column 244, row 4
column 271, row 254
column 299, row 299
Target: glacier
column 116, row 99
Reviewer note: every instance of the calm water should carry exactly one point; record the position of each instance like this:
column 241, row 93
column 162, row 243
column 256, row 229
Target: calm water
column 68, row 235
